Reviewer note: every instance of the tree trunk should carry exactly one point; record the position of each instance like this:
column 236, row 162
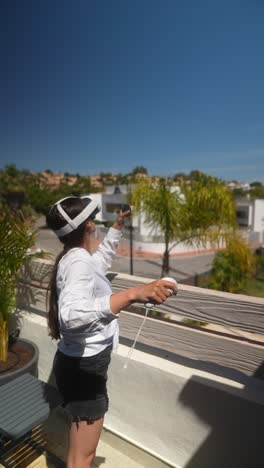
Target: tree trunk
column 166, row 260
column 3, row 340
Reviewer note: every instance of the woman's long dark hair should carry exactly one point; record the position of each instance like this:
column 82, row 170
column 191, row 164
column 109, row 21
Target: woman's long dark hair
column 72, row 206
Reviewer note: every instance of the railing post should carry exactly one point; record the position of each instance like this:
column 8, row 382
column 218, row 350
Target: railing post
column 131, row 247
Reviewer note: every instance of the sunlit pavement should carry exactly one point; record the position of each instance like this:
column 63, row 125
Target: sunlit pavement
column 112, row 451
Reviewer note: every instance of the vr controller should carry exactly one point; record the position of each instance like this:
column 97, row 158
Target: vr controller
column 125, row 207
column 167, row 278
column 148, row 305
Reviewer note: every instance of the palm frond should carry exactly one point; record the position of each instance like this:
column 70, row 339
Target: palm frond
column 17, row 237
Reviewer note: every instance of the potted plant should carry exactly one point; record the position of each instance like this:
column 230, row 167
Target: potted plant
column 17, row 237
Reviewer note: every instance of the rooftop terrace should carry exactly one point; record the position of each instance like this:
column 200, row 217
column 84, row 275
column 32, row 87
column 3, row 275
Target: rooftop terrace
column 190, row 397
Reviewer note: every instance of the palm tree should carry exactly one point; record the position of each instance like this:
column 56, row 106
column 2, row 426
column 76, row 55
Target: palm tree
column 16, row 240
column 161, row 206
column 195, row 213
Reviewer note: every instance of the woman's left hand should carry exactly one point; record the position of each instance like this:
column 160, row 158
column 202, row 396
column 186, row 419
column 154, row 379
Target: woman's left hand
column 120, row 220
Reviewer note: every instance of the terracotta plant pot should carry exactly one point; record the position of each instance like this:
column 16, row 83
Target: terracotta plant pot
column 22, row 358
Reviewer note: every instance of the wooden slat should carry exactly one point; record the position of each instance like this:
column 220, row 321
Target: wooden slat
column 24, row 403
column 216, row 307
column 199, row 346
column 20, row 454
column 226, row 309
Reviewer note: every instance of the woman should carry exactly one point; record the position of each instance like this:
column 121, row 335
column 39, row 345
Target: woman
column 83, row 314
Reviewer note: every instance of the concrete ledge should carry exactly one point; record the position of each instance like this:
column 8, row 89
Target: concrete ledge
column 185, row 417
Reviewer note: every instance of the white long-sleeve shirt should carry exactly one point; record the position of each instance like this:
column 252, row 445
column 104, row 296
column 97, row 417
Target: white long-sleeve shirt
column 87, row 324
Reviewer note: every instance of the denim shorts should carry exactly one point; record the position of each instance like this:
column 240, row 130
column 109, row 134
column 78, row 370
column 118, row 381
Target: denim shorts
column 81, row 382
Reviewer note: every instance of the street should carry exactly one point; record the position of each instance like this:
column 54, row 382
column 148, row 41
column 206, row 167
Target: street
column 182, row 267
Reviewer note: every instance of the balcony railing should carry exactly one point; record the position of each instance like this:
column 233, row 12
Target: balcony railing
column 192, row 396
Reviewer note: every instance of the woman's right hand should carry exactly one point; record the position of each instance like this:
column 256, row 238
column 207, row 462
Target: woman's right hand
column 155, row 292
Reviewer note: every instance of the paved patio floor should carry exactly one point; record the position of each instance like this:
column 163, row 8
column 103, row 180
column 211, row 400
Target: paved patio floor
column 112, row 452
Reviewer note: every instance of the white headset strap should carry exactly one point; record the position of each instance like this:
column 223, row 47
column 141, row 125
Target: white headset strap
column 73, row 224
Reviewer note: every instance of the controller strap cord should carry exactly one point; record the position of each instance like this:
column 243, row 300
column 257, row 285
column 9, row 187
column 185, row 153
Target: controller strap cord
column 131, row 349
column 148, row 306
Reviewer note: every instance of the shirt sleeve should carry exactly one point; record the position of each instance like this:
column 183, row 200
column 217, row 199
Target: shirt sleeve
column 80, row 292
column 107, row 249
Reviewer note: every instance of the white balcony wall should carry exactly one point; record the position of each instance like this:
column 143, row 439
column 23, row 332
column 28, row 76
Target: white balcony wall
column 192, row 397
column 188, row 418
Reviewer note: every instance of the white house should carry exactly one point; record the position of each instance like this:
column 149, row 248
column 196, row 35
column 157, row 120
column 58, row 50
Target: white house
column 250, row 215
column 110, row 202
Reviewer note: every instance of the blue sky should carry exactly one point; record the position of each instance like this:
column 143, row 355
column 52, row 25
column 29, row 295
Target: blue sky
column 106, row 85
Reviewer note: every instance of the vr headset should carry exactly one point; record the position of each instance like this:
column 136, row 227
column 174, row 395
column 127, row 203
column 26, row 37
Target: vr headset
column 90, row 210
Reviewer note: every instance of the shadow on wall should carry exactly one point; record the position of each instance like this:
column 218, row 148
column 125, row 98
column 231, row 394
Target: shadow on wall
column 236, row 439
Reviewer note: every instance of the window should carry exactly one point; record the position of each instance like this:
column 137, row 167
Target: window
column 242, row 215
